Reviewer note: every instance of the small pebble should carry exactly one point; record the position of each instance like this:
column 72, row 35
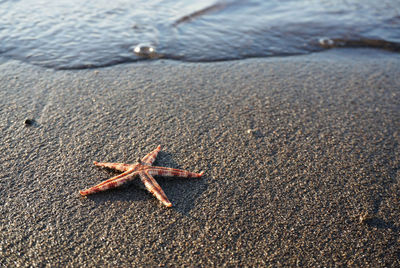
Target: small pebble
column 29, row 122
column 365, row 217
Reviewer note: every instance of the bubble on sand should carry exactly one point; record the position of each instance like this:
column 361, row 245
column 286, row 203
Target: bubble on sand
column 326, row 42
column 144, row 50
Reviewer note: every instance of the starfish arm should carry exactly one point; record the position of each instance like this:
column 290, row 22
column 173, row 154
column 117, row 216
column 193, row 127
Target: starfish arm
column 149, row 158
column 153, row 187
column 117, row 166
column 110, row 183
column 173, row 172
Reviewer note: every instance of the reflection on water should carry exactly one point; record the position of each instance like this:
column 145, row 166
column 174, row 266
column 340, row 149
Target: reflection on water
column 84, row 34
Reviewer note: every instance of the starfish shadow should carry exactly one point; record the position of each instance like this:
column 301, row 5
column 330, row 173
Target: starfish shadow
column 183, row 192
column 130, row 192
column 381, row 224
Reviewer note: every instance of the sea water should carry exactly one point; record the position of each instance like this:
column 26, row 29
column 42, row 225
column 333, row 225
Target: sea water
column 73, row 34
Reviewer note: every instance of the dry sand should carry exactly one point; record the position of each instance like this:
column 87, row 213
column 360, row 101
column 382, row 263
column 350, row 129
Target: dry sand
column 301, row 159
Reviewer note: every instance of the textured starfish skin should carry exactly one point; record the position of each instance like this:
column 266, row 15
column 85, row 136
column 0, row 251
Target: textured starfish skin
column 146, row 171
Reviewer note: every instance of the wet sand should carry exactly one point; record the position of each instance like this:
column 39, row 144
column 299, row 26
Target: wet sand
column 301, row 159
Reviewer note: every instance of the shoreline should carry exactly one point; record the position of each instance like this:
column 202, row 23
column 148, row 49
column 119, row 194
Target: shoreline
column 300, row 157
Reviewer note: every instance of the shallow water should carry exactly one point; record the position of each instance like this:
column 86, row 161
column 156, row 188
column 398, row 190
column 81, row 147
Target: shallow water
column 84, row 34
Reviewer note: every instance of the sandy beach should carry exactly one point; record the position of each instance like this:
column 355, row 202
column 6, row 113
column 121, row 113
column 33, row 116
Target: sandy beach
column 301, row 159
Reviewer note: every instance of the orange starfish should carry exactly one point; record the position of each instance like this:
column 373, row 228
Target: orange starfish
column 145, row 170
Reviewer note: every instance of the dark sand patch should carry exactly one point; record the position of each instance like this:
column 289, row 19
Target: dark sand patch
column 301, row 160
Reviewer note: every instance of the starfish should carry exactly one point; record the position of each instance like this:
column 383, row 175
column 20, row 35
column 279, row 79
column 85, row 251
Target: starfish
column 145, row 170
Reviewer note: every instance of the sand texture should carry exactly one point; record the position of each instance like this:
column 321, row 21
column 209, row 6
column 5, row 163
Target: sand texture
column 301, row 159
